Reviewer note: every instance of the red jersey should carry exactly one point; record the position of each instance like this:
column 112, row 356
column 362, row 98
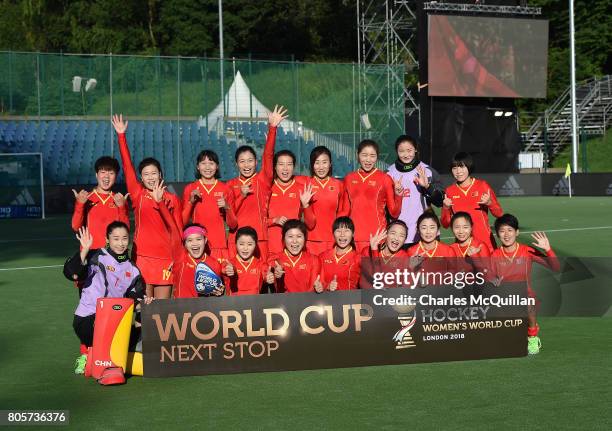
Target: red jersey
column 367, row 196
column 461, row 251
column 466, row 199
column 151, row 234
column 184, row 266
column 207, row 213
column 516, row 267
column 97, row 213
column 326, row 205
column 248, row 276
column 435, row 259
column 346, row 268
column 476, row 262
column 284, row 201
column 381, row 261
column 252, row 210
column 300, row 271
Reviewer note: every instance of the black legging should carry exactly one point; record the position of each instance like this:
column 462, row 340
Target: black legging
column 84, row 328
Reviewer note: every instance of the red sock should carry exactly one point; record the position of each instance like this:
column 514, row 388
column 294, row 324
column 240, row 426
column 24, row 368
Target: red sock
column 532, row 332
column 83, row 349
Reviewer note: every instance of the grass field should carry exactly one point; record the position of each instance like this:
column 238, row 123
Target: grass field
column 567, row 386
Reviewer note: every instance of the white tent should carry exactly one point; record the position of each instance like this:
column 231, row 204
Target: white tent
column 239, row 104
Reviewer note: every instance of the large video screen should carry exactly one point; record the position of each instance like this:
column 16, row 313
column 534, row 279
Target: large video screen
column 487, row 57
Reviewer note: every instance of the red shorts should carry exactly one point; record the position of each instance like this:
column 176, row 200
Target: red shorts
column 155, row 271
column 318, row 247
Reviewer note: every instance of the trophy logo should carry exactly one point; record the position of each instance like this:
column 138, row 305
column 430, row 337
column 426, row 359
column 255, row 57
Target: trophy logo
column 407, row 319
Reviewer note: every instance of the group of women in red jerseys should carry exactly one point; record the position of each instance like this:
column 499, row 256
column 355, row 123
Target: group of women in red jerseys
column 272, row 230
column 296, row 233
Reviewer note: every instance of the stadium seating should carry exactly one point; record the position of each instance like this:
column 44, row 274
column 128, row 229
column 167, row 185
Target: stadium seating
column 70, row 147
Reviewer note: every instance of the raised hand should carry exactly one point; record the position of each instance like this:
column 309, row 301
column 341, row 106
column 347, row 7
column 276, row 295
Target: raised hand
column 447, row 202
column 421, row 177
column 195, row 196
column 485, row 198
column 306, row 195
column 81, row 196
column 277, row 116
column 120, row 199
column 278, row 270
column 397, row 186
column 541, row 241
column 229, row 269
column 118, row 123
column 245, row 190
column 333, row 285
column 318, row 286
column 379, row 236
column 85, row 238
column 218, row 291
column 158, row 192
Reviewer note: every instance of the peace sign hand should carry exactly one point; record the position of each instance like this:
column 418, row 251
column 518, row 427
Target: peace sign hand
column 421, row 177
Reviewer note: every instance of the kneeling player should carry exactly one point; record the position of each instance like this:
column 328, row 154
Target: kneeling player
column 105, row 273
column 191, row 262
column 249, row 271
column 295, row 269
column 513, row 263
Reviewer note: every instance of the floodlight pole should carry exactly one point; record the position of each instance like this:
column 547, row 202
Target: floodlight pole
column 573, row 91
column 221, row 51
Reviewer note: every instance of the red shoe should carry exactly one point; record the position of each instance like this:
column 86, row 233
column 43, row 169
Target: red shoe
column 112, row 376
column 88, row 364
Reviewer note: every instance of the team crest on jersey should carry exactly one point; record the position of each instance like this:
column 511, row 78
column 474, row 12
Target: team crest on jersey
column 302, row 266
column 456, row 196
column 110, row 268
column 292, row 195
column 253, row 271
column 274, row 194
column 474, row 194
column 354, row 182
column 128, row 274
column 372, row 183
column 327, row 261
column 218, row 194
column 112, row 205
column 332, row 188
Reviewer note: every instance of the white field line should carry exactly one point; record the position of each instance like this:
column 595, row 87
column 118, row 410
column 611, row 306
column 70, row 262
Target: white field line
column 447, row 237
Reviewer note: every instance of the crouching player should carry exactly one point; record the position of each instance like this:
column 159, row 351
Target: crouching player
column 189, row 256
column 512, row 262
column 105, row 273
column 250, row 272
